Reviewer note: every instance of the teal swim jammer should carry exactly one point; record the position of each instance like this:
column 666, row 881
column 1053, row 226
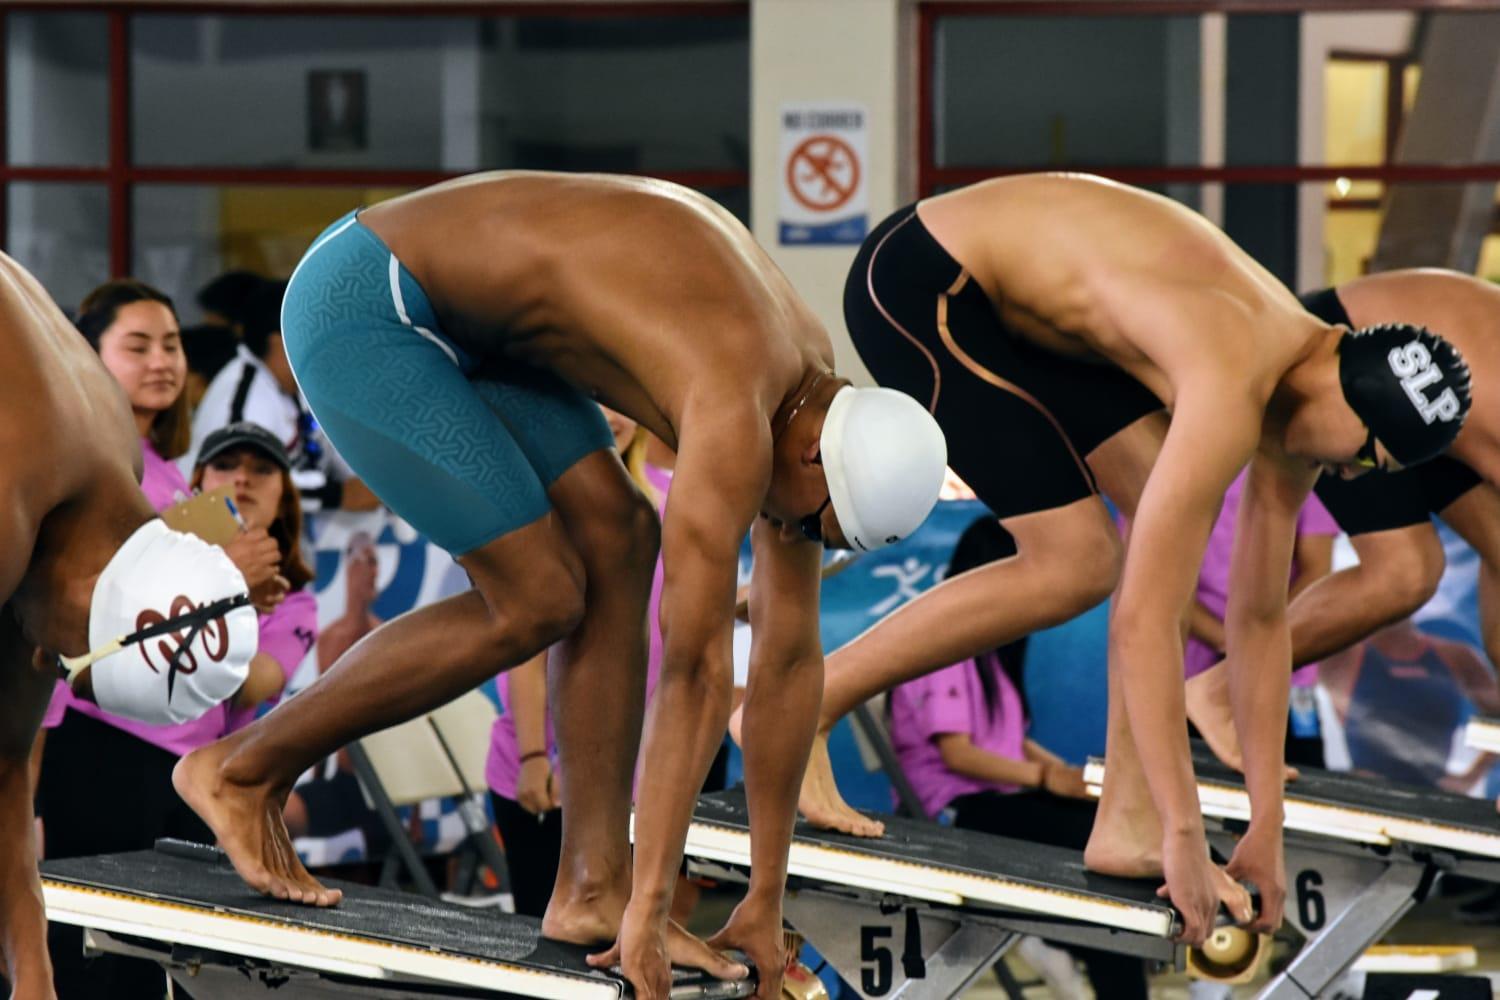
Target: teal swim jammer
column 463, row 460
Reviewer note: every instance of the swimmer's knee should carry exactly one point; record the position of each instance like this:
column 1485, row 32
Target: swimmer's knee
column 1081, row 549
column 556, row 608
column 1404, row 569
column 637, row 529
column 543, row 607
column 622, row 530
column 1098, row 560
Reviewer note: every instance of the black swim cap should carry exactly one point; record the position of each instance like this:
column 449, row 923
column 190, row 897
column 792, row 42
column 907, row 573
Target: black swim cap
column 1409, row 386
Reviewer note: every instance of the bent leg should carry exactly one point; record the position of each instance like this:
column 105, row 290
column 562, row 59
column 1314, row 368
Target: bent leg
column 1122, row 462
column 1126, row 839
column 596, row 680
column 1067, row 561
column 529, row 594
column 24, row 691
column 1398, row 571
column 1476, row 517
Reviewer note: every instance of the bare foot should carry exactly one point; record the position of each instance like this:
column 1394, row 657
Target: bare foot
column 589, row 922
column 1126, row 863
column 597, row 923
column 1208, row 708
column 1130, row 849
column 821, row 803
column 247, row 821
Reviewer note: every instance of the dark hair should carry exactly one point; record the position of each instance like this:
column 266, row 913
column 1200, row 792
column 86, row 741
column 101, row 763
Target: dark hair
column 286, row 528
column 263, row 316
column 228, row 293
column 103, row 304
column 172, row 430
column 983, row 542
column 209, row 347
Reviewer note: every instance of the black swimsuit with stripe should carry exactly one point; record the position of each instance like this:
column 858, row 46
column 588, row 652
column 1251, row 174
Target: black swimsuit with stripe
column 1020, row 420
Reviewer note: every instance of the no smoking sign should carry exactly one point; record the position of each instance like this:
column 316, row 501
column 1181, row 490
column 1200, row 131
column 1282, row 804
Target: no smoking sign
column 823, row 196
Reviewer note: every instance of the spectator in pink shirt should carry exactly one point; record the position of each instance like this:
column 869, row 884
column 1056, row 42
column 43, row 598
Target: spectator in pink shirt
column 253, row 463
column 960, row 736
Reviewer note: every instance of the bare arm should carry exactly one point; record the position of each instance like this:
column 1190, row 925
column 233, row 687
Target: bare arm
column 1215, row 425
column 1474, row 676
column 1261, row 655
column 782, row 697
column 1035, row 751
column 961, row 756
column 265, row 681
column 536, row 790
column 723, row 467
column 528, row 704
column 1206, row 627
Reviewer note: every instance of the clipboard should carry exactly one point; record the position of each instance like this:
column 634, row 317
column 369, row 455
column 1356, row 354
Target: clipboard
column 207, row 515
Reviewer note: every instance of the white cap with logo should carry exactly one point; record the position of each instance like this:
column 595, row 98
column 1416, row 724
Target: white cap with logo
column 170, row 626
column 885, row 458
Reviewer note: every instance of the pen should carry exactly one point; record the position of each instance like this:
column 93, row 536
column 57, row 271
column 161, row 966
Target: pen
column 235, row 512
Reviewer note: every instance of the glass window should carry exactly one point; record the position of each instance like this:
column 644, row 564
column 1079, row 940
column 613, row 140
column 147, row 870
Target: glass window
column 185, row 234
column 1489, row 258
column 350, row 92
column 1349, row 237
column 623, row 94
column 1354, row 122
column 60, row 233
column 648, row 94
column 1032, row 91
column 57, row 89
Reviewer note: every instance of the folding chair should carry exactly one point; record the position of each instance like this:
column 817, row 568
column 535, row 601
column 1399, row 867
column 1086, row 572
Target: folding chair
column 436, row 756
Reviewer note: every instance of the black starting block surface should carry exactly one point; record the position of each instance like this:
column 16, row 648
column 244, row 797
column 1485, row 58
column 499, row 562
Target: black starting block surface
column 925, row 851
column 190, row 902
column 1448, row 815
column 365, row 912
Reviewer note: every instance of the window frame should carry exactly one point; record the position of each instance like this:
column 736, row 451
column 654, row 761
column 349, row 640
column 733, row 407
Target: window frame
column 120, row 175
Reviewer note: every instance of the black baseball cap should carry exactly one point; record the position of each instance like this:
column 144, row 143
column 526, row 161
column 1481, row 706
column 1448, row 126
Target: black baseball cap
column 243, row 434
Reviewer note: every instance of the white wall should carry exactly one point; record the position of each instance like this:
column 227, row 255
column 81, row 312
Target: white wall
column 836, row 50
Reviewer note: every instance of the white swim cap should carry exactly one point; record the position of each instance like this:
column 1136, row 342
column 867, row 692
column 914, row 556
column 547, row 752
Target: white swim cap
column 182, row 610
column 884, row 457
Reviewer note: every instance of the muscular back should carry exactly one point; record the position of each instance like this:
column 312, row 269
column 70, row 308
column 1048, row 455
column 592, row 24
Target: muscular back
column 1094, row 269
column 72, row 459
column 639, row 292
